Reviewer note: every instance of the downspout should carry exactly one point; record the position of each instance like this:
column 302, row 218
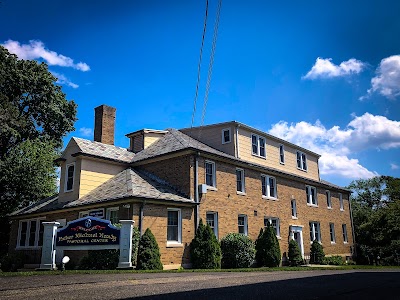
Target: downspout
column 237, row 140
column 352, row 229
column 141, row 214
column 196, row 191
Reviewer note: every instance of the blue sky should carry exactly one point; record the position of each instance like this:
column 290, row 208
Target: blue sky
column 322, row 75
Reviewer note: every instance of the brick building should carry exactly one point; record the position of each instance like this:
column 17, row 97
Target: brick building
column 234, row 177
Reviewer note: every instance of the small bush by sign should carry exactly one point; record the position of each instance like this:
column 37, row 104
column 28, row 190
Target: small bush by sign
column 12, row 261
column 148, row 253
column 205, row 251
column 237, row 251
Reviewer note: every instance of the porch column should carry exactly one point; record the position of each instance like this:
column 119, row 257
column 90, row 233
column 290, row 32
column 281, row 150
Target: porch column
column 125, row 244
column 48, row 252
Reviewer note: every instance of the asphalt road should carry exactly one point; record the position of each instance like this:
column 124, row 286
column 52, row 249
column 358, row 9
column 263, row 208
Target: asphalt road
column 318, row 284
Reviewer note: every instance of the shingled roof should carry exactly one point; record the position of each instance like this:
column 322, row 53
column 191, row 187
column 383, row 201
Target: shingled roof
column 174, row 141
column 132, row 183
column 104, row 150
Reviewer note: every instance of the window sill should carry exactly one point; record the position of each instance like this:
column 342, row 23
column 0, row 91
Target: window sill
column 333, row 243
column 241, row 193
column 312, row 205
column 304, row 170
column 329, row 207
column 69, row 191
column 345, row 242
column 211, row 188
column 28, row 247
column 341, row 209
column 278, row 237
column 223, row 143
column 270, row 198
column 174, row 245
column 259, row 156
column 282, row 163
column 295, row 218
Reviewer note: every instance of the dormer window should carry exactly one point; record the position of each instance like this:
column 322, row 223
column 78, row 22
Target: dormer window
column 69, row 177
column 258, row 145
column 301, row 161
column 226, row 136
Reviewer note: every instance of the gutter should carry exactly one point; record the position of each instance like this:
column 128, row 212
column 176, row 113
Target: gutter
column 237, row 140
column 352, row 229
column 141, row 215
column 196, row 190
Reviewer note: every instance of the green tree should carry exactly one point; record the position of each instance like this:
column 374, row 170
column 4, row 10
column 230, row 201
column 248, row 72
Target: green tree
column 376, row 218
column 148, row 253
column 205, row 251
column 268, row 253
column 237, row 251
column 294, row 254
column 34, row 117
column 317, row 254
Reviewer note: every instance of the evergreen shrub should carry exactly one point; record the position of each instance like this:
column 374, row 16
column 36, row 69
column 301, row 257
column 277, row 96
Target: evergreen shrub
column 11, row 262
column 148, row 253
column 237, row 251
column 317, row 254
column 205, row 250
column 268, row 253
column 334, row 260
column 294, row 254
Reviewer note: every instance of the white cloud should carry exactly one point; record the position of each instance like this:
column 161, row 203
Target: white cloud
column 61, row 79
column 324, row 68
column 84, row 131
column 336, row 145
column 394, row 166
column 37, row 50
column 387, row 79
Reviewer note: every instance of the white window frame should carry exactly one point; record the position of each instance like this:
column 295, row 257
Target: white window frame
column 332, row 233
column 315, row 227
column 109, row 210
column 214, row 180
column 278, row 225
column 242, row 180
column 293, row 207
column 301, row 158
column 344, row 231
column 265, row 181
column 341, row 202
column 28, row 230
column 258, row 138
column 223, row 136
column 215, row 219
column 66, row 177
column 179, row 241
column 310, row 188
column 281, row 154
column 328, row 199
column 245, row 225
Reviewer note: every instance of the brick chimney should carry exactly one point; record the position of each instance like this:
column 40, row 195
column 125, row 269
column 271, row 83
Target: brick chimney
column 104, row 120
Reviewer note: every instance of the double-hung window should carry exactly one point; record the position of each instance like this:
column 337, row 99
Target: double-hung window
column 226, row 136
column 174, row 226
column 311, row 193
column 69, row 177
column 315, row 233
column 212, row 221
column 281, row 154
column 344, row 229
column 242, row 224
column 274, row 223
column 332, row 232
column 268, row 186
column 341, row 201
column 258, row 145
column 294, row 208
column 328, row 199
column 240, row 181
column 210, row 173
column 30, row 233
column 112, row 215
column 301, row 161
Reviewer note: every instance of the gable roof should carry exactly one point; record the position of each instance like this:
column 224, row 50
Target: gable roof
column 97, row 149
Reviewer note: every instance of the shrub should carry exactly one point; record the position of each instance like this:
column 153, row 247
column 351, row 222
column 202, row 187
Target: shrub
column 11, row 262
column 148, row 253
column 237, row 251
column 316, row 253
column 268, row 253
column 100, row 260
column 333, row 260
column 294, row 254
column 205, row 251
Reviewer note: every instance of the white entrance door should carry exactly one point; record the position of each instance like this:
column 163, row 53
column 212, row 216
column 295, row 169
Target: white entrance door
column 296, row 233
